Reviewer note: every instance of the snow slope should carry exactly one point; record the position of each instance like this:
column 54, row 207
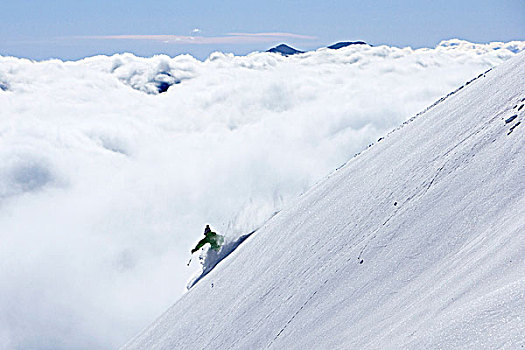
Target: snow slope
column 417, row 243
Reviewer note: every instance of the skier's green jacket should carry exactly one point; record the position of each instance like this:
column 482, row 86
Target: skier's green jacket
column 212, row 238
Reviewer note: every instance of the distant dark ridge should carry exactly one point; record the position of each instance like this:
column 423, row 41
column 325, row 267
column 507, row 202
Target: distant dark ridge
column 163, row 80
column 163, row 86
column 284, row 50
column 345, row 44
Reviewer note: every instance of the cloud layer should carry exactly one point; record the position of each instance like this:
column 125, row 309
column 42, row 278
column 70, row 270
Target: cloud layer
column 106, row 185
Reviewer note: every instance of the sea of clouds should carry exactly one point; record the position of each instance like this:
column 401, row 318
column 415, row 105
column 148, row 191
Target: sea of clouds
column 106, row 184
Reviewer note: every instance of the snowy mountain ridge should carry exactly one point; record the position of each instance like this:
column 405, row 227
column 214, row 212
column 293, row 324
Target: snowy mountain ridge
column 416, row 243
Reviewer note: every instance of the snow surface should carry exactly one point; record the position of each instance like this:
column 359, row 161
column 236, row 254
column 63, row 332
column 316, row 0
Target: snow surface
column 417, row 243
column 105, row 185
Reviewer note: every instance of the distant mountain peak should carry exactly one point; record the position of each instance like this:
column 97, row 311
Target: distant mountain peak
column 284, row 50
column 342, row 44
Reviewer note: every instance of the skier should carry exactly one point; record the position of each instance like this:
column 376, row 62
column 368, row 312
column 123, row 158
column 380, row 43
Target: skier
column 212, row 238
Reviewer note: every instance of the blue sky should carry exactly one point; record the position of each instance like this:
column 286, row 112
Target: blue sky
column 77, row 28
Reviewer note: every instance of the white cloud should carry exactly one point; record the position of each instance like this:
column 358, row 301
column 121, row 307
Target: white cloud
column 105, row 188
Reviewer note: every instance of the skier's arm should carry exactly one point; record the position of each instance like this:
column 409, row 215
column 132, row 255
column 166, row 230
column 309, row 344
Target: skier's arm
column 199, row 245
